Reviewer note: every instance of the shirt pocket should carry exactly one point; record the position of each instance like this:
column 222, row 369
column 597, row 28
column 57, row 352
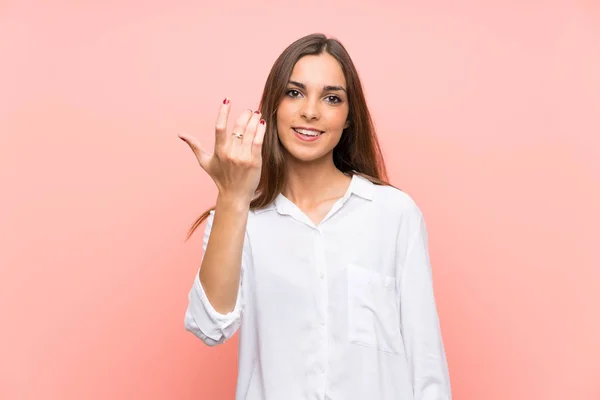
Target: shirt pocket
column 373, row 317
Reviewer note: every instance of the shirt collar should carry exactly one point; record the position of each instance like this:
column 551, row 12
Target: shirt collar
column 359, row 186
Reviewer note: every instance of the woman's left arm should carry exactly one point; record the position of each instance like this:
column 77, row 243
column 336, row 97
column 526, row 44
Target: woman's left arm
column 420, row 324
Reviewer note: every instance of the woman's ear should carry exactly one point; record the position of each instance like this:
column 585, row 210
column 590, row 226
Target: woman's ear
column 347, row 124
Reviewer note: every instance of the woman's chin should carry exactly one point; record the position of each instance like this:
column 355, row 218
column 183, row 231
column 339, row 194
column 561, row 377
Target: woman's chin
column 308, row 152
column 305, row 156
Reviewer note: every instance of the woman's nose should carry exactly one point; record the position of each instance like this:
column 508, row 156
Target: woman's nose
column 310, row 110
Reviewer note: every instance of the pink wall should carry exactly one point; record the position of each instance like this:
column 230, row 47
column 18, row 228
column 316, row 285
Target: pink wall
column 489, row 114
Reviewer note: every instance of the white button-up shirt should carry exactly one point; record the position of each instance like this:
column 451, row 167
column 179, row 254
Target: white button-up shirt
column 342, row 310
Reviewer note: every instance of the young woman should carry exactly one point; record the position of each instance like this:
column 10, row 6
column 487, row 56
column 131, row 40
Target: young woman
column 321, row 264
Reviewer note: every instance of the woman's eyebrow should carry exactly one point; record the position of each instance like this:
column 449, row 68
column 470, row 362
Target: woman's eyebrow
column 325, row 88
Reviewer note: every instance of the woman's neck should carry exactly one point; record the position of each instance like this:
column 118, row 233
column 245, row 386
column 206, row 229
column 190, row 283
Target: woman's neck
column 308, row 184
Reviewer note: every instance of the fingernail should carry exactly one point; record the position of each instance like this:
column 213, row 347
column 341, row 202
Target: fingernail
column 226, row 101
column 262, row 122
column 256, row 112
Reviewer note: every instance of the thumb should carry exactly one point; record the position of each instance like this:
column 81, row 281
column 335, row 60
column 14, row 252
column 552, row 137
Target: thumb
column 201, row 154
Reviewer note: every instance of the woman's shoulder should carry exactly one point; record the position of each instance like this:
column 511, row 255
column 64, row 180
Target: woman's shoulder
column 395, row 201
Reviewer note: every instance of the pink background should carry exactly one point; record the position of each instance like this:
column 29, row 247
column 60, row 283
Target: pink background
column 489, row 115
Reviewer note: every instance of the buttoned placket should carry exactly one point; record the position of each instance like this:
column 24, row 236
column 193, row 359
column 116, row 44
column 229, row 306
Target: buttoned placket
column 323, row 306
column 322, row 292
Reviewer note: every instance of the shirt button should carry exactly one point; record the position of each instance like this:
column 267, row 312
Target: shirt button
column 322, row 275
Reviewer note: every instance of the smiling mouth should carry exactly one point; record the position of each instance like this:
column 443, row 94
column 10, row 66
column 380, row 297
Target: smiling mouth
column 308, row 132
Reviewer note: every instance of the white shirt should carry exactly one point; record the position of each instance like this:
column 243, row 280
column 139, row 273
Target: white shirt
column 339, row 311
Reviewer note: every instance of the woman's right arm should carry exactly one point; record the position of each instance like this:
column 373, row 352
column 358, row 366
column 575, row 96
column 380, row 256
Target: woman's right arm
column 221, row 265
column 204, row 316
column 235, row 167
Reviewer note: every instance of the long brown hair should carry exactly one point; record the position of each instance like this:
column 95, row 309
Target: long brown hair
column 358, row 151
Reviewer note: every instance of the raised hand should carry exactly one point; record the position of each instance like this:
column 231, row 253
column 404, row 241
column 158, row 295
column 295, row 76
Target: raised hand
column 235, row 164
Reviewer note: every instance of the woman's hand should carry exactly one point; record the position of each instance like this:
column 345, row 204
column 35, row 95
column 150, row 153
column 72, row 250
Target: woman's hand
column 235, row 164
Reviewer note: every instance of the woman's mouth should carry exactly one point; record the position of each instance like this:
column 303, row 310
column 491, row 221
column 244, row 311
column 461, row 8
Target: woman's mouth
column 308, row 135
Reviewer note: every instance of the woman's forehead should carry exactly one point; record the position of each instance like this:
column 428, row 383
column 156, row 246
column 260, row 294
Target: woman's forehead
column 318, row 71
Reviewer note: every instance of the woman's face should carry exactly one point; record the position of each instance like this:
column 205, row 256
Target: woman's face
column 314, row 109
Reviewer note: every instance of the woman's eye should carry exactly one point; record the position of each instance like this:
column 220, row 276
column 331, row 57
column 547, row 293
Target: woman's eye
column 293, row 93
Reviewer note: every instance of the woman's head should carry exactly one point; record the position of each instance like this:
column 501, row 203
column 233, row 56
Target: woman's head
column 317, row 61
column 313, row 112
column 314, row 84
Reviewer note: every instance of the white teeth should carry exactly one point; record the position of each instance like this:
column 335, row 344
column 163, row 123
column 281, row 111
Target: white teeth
column 307, row 132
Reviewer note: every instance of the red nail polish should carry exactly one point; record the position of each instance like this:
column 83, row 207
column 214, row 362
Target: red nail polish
column 226, row 101
column 257, row 112
column 262, row 122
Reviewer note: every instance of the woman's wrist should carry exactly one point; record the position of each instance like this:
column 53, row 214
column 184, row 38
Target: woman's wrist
column 232, row 203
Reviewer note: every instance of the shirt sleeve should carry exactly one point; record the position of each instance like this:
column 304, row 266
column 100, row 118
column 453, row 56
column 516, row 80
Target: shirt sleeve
column 201, row 318
column 419, row 317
